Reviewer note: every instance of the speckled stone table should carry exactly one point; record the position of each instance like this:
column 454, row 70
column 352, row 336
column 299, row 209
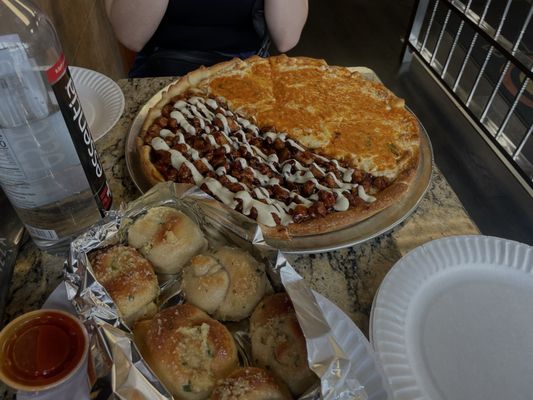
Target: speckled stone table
column 349, row 277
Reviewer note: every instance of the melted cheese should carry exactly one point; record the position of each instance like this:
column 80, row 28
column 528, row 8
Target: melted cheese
column 337, row 113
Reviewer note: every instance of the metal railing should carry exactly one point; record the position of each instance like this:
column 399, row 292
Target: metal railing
column 481, row 53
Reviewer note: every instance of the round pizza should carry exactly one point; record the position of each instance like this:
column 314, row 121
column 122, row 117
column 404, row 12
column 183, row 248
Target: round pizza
column 299, row 146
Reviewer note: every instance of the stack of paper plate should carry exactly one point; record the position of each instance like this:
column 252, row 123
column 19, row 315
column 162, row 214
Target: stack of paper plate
column 453, row 320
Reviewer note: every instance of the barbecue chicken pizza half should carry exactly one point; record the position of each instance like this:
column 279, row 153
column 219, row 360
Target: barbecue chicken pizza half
column 302, row 147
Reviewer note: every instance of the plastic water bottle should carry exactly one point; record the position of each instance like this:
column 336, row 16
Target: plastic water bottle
column 49, row 168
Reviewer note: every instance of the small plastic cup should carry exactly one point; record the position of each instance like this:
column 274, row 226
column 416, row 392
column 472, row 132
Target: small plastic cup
column 43, row 355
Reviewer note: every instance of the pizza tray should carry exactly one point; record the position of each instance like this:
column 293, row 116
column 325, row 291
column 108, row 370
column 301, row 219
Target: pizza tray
column 360, row 232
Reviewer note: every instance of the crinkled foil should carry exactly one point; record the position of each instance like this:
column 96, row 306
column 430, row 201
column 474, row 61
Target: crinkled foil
column 120, row 371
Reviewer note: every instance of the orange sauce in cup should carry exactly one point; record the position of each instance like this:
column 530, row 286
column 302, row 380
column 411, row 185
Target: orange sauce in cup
column 41, row 348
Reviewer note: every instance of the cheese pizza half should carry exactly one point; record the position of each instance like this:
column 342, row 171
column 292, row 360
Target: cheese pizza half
column 302, row 147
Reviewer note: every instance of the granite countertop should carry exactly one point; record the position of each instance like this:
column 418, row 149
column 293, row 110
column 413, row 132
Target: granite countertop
column 349, row 277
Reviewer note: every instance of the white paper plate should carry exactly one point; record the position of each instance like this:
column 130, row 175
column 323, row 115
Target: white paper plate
column 101, row 99
column 453, row 320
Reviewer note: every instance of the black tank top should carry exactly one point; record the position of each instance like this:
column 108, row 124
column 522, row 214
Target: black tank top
column 221, row 25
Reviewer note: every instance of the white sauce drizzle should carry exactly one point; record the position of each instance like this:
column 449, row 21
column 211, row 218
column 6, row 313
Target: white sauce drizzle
column 159, row 144
column 165, row 133
column 224, row 194
column 194, row 154
column 181, row 138
column 177, row 159
column 347, row 175
column 211, row 140
column 291, row 170
column 182, row 121
column 366, row 197
column 211, row 103
column 224, row 120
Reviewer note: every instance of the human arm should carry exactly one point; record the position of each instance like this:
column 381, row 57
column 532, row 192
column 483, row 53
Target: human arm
column 285, row 20
column 135, row 21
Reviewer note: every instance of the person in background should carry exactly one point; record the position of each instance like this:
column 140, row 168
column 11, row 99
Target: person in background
column 173, row 37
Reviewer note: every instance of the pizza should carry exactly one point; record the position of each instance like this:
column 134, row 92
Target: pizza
column 300, row 146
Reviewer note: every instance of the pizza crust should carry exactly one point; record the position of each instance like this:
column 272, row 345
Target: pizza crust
column 340, row 220
column 198, row 81
column 149, row 170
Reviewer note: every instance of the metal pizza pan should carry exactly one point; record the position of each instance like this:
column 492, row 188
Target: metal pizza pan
column 357, row 233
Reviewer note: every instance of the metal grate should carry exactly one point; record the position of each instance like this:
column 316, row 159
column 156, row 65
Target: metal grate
column 481, row 51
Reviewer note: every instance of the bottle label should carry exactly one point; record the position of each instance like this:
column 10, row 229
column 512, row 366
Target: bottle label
column 22, row 93
column 69, row 104
column 38, row 162
column 46, row 152
column 9, row 168
column 56, row 71
column 47, row 234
